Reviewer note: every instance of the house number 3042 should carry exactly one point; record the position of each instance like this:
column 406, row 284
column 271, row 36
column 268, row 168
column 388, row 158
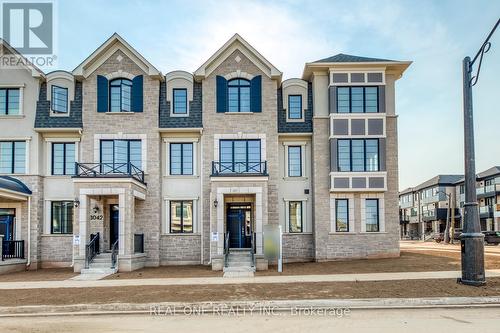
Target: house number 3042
column 96, row 217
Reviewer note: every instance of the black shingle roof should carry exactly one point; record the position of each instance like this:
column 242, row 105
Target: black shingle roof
column 341, row 57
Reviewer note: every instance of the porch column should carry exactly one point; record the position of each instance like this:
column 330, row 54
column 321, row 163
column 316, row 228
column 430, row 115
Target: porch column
column 258, row 223
column 82, row 223
column 220, row 222
column 125, row 223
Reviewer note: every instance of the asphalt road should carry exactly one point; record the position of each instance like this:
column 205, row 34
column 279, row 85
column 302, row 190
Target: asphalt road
column 401, row 320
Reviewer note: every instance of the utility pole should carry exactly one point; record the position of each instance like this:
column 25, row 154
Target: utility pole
column 472, row 240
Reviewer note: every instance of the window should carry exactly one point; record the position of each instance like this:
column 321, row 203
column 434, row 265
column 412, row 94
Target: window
column 295, row 107
column 120, row 95
column 239, row 95
column 62, row 217
column 180, row 101
column 181, row 158
column 295, row 211
column 357, row 99
column 294, row 161
column 9, row 101
column 117, row 155
column 63, row 158
column 59, row 100
column 358, row 155
column 372, row 215
column 12, row 157
column 240, row 156
column 341, row 215
column 181, row 216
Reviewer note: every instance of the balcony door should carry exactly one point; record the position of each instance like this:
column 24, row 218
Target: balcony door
column 240, row 156
column 117, row 156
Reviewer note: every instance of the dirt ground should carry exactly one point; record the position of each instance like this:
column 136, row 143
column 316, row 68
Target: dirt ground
column 240, row 292
column 47, row 274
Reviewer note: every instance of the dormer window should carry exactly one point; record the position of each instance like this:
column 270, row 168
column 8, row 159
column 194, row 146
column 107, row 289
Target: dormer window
column 9, row 101
column 120, row 95
column 239, row 95
column 59, row 100
column 295, row 107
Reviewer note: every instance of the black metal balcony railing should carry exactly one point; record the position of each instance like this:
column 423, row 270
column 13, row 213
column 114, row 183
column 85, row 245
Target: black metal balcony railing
column 12, row 249
column 138, row 243
column 108, row 170
column 239, row 168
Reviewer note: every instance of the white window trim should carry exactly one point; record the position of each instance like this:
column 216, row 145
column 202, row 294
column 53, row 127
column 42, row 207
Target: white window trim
column 381, row 212
column 48, row 212
column 196, row 227
column 48, row 155
column 302, row 145
column 27, row 140
column 352, row 220
column 364, row 71
column 168, row 141
column 240, row 136
column 305, row 225
column 59, row 114
column 121, row 136
column 21, row 99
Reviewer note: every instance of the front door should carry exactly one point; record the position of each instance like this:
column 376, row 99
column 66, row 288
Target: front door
column 7, row 217
column 239, row 226
column 113, row 224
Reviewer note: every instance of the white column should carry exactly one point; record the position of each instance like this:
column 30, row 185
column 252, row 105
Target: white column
column 220, row 222
column 121, row 224
column 258, row 223
column 82, row 221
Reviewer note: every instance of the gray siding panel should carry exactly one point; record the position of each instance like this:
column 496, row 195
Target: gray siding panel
column 381, row 99
column 382, row 153
column 340, row 182
column 357, row 77
column 341, row 126
column 358, row 182
column 295, row 127
column 374, row 77
column 333, row 155
column 375, row 126
column 332, row 97
column 376, row 182
column 340, row 78
column 43, row 118
column 357, row 127
column 195, row 118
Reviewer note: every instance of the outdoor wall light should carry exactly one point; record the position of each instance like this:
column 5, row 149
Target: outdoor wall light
column 216, row 203
column 76, row 202
column 96, row 209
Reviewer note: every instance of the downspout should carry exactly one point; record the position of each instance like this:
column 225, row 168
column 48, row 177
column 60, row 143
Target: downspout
column 28, row 263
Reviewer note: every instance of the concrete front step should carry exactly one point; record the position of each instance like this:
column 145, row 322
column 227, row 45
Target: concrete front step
column 239, row 269
column 99, row 271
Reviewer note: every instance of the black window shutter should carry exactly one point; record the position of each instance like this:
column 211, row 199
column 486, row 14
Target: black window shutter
column 137, row 92
column 102, row 94
column 221, row 92
column 256, row 94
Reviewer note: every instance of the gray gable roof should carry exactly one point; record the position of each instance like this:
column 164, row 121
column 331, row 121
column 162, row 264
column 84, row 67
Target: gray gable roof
column 493, row 171
column 13, row 184
column 439, row 180
column 341, row 57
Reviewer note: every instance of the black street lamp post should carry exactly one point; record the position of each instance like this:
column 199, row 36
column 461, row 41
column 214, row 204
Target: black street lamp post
column 472, row 240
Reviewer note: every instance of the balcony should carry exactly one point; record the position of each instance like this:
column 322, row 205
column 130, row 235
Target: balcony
column 108, row 170
column 485, row 212
column 486, row 191
column 238, row 169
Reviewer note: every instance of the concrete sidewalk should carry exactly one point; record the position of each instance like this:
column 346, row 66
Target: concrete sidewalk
column 250, row 280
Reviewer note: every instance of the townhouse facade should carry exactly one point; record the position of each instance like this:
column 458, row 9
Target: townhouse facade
column 424, row 209
column 117, row 161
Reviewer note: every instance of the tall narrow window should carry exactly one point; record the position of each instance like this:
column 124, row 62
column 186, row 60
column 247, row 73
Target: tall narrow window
column 180, row 101
column 120, row 155
column 344, row 155
column 12, row 157
column 357, row 99
column 240, row 156
column 295, row 212
column 238, row 95
column 59, row 100
column 371, row 156
column 9, row 101
column 372, row 215
column 63, row 158
column 62, row 217
column 181, row 216
column 181, row 158
column 120, row 96
column 295, row 107
column 294, row 161
column 341, row 215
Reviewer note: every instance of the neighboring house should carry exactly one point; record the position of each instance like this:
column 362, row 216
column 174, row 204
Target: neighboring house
column 423, row 209
column 117, row 158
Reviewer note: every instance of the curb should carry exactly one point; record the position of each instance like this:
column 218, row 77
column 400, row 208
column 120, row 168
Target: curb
column 246, row 307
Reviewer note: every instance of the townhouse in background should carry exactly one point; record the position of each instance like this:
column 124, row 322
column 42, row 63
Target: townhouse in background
column 115, row 164
column 423, row 209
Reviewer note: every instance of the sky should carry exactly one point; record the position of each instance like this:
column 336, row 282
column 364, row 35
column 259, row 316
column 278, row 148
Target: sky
column 435, row 35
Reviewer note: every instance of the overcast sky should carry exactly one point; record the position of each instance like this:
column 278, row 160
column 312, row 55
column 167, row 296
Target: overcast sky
column 436, row 35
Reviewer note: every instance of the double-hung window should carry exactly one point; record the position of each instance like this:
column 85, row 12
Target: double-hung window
column 358, row 155
column 357, row 99
column 62, row 217
column 120, row 95
column 9, row 101
column 295, row 216
column 295, row 107
column 372, row 215
column 59, row 100
column 120, row 156
column 341, row 215
column 180, row 101
column 181, row 158
column 240, row 156
column 238, row 95
column 294, row 161
column 63, row 158
column 181, row 216
column 12, row 157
